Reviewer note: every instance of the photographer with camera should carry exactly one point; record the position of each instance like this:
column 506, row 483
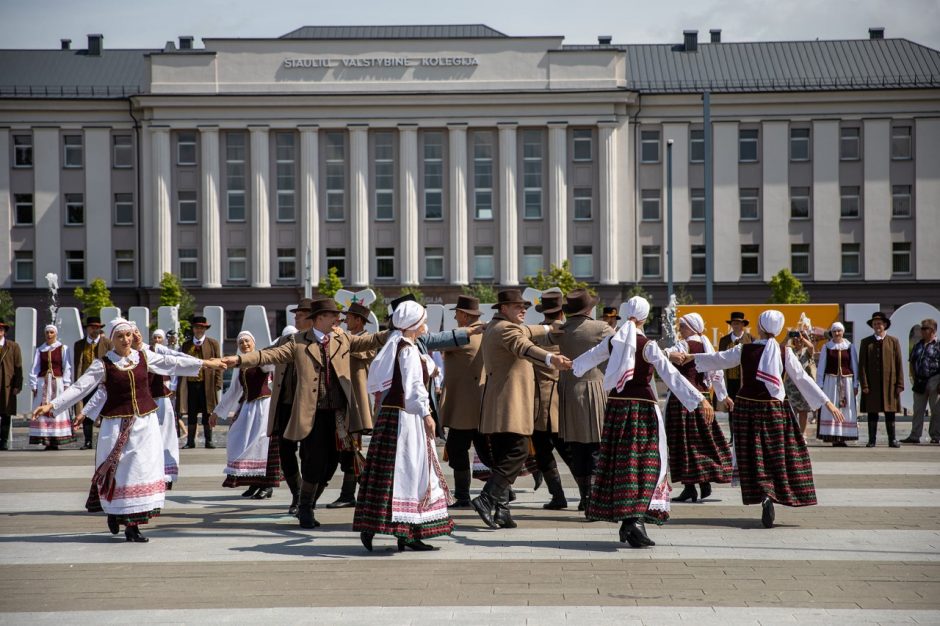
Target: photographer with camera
column 801, row 342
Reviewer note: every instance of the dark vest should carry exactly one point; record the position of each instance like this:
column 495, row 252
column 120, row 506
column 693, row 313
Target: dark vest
column 159, row 386
column 128, row 390
column 838, row 362
column 751, row 386
column 329, row 397
column 688, row 369
column 51, row 360
column 254, row 383
column 639, row 387
column 395, row 397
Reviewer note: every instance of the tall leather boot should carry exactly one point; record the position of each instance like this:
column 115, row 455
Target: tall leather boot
column 207, row 431
column 347, row 493
column 889, row 427
column 502, row 516
column 558, row 501
column 584, row 488
column 872, row 430
column 485, row 503
column 462, row 489
column 191, row 433
column 293, row 483
column 308, row 492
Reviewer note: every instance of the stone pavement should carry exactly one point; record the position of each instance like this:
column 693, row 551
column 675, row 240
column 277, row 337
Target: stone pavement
column 868, row 554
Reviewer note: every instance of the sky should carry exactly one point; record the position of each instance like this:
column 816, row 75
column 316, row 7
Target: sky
column 150, row 23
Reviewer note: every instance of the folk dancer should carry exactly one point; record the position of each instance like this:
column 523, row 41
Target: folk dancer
column 837, row 375
column 200, row 394
column 50, row 375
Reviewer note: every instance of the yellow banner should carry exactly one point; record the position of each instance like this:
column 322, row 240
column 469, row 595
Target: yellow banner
column 716, row 316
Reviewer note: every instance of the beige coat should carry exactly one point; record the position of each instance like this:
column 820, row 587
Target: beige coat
column 546, row 397
column 360, row 405
column 11, row 376
column 210, row 349
column 277, row 384
column 79, row 365
column 463, row 385
column 509, row 391
column 581, row 400
column 304, row 352
column 880, row 371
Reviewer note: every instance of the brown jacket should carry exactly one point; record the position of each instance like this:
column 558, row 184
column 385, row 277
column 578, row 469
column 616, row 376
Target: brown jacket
column 360, row 405
column 546, row 397
column 304, row 352
column 726, row 343
column 463, row 385
column 509, row 391
column 11, row 376
column 209, row 349
column 278, row 384
column 880, row 371
column 581, row 400
column 80, row 364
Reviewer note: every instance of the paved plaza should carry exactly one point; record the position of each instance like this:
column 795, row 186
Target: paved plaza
column 869, row 553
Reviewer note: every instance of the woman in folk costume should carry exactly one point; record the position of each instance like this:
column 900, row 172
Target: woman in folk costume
column 770, row 450
column 253, row 457
column 837, row 374
column 630, row 484
column 402, row 491
column 699, row 454
column 128, row 483
column 50, row 375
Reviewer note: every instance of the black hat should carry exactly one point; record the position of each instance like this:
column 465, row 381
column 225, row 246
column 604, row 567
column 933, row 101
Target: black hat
column 611, row 311
column 93, row 320
column 323, row 305
column 408, row 297
column 4, row 324
column 510, row 296
column 580, row 302
column 199, row 320
column 468, row 304
column 551, row 303
column 171, row 333
column 879, row 315
column 357, row 309
column 303, row 305
column 738, row 316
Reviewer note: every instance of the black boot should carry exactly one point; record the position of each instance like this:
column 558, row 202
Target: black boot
column 633, row 531
column 347, row 494
column 768, row 515
column 485, row 503
column 305, row 506
column 461, row 489
column 132, row 533
column 293, row 483
column 872, row 430
column 889, row 426
column 688, row 493
column 207, row 431
column 706, row 490
column 503, row 517
column 190, row 435
column 558, row 501
column 113, row 524
column 538, row 478
column 250, row 492
column 584, row 488
column 264, row 492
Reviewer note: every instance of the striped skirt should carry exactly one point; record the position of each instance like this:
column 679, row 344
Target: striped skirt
column 771, row 453
column 698, row 452
column 630, row 467
column 377, row 481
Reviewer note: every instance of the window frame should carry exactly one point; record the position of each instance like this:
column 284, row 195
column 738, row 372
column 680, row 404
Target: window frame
column 648, row 141
column 895, row 197
column 331, row 255
column 856, row 139
column 651, row 253
column 20, row 261
column 586, row 254
column 118, row 148
column 385, row 255
column 231, row 259
column 590, row 203
column 389, row 162
column 698, row 252
column 338, row 165
column 693, row 198
column 73, row 200
column 438, row 255
column 804, row 253
column 747, row 141
column 844, row 254
column 896, row 254
column 478, row 254
column 539, row 160
column 179, row 206
column 187, row 261
column 194, row 143
column 285, row 191
column 580, row 136
column 808, row 196
column 800, row 140
column 437, row 190
column 659, row 204
column 478, row 161
column 27, row 148
column 908, row 138
column 858, row 202
column 73, row 258
column 750, row 251
column 286, row 255
column 240, row 190
column 17, row 204
column 694, row 142
column 122, row 261
column 757, row 204
column 528, row 255
column 71, row 149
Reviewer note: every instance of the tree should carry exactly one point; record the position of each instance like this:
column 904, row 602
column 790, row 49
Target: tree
column 785, row 288
column 173, row 293
column 684, row 296
column 560, row 277
column 330, row 284
column 484, row 292
column 93, row 299
column 638, row 290
column 378, row 306
column 417, row 293
column 7, row 310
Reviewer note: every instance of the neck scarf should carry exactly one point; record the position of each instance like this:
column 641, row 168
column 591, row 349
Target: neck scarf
column 770, row 368
column 408, row 316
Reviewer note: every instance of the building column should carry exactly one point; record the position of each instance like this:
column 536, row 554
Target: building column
column 211, row 231
column 459, row 233
column 726, row 247
column 926, row 192
column 508, row 209
column 826, row 249
column 775, row 209
column 6, row 212
column 310, row 202
column 47, row 208
column 359, row 205
column 876, row 212
column 260, row 214
column 162, row 220
column 557, row 192
column 98, row 218
column 608, row 264
column 408, row 202
column 681, row 205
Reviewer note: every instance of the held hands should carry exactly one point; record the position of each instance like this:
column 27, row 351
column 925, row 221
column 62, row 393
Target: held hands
column 560, row 362
column 214, row 364
column 836, row 413
column 230, row 361
column 729, row 404
column 708, row 411
column 77, row 422
column 213, row 419
column 476, row 330
column 42, row 409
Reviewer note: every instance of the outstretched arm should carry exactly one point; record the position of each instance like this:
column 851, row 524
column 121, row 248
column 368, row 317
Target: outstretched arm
column 687, row 394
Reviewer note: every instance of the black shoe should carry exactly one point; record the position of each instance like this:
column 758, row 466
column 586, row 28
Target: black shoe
column 113, row 525
column 267, row 492
column 485, row 505
column 894, row 444
column 366, row 539
column 688, row 493
column 503, row 517
column 636, row 530
column 292, row 509
column 87, row 446
column 870, row 444
column 538, row 478
column 626, row 536
column 305, row 517
column 511, row 495
column 839, row 444
column 132, row 533
column 557, row 503
column 767, row 518
column 461, row 503
column 914, row 441
column 189, row 446
column 168, row 485
column 342, row 503
column 417, row 545
column 706, row 489
column 209, row 445
column 250, row 492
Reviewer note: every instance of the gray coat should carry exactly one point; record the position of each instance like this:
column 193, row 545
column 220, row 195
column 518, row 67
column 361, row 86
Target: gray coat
column 581, row 401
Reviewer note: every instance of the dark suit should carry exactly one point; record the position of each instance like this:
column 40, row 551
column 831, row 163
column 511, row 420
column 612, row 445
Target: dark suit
column 11, row 382
column 83, row 355
column 199, row 394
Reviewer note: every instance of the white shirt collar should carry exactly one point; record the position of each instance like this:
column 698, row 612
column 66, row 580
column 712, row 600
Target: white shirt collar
column 318, row 335
column 3, row 341
column 45, row 347
column 198, row 342
column 737, row 337
column 94, row 341
column 877, row 338
column 124, row 362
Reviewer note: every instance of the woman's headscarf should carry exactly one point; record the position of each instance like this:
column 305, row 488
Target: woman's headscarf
column 622, row 360
column 118, row 324
column 770, row 367
column 407, row 316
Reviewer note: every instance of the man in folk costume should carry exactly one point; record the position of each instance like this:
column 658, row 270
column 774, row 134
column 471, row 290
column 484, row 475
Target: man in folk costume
column 199, row 394
column 50, row 375
column 508, row 408
column 837, row 375
column 770, row 450
column 463, row 393
column 84, row 351
column 737, row 336
column 322, row 395
column 360, row 407
column 11, row 382
column 881, row 377
column 610, row 316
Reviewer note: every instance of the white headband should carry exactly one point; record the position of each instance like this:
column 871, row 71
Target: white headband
column 51, row 327
column 118, row 324
column 693, row 321
column 245, row 333
column 836, row 326
column 159, row 333
column 637, row 308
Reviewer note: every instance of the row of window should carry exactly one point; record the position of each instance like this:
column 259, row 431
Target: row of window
column 24, row 266
column 73, row 151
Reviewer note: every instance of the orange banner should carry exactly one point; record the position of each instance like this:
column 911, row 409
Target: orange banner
column 717, row 315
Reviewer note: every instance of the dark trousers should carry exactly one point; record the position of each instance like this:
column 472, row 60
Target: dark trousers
column 545, row 443
column 873, row 426
column 583, row 458
column 458, row 447
column 287, row 449
column 6, row 422
column 195, row 406
column 318, row 454
column 734, row 386
column 510, row 452
column 88, row 429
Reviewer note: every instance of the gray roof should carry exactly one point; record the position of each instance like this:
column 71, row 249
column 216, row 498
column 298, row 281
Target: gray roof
column 433, row 31
column 73, row 73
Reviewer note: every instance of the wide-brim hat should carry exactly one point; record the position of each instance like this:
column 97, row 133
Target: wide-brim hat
column 468, row 304
column 304, row 305
column 738, row 316
column 408, row 297
column 323, row 305
column 357, row 309
column 510, row 296
column 611, row 311
column 93, row 320
column 199, row 320
column 879, row 315
column 580, row 302
column 4, row 324
column 551, row 303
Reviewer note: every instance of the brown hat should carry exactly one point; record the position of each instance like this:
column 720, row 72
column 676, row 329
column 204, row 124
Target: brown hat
column 611, row 311
column 510, row 296
column 304, row 305
column 357, row 309
column 580, row 302
column 468, row 304
column 93, row 320
column 323, row 305
column 738, row 316
column 879, row 315
column 551, row 303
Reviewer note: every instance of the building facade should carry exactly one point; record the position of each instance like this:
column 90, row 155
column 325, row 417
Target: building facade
column 443, row 156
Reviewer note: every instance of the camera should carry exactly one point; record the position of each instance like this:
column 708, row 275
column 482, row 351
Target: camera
column 793, row 334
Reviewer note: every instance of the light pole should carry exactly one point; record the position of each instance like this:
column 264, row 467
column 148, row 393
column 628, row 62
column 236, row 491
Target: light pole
column 669, row 285
column 709, row 200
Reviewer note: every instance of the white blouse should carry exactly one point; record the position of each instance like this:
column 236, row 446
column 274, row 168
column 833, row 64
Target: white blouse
column 233, row 394
column 823, row 357
column 66, row 365
column 715, row 380
column 417, row 400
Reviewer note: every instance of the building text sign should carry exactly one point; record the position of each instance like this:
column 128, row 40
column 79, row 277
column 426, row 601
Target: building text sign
column 352, row 62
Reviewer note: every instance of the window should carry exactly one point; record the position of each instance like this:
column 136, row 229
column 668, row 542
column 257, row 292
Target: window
column 749, row 199
column 799, row 203
column 22, row 209
column 186, row 204
column 900, row 200
column 186, row 148
column 583, row 199
column 532, row 261
column 799, row 144
column 483, row 175
column 433, row 175
column 189, row 263
column 651, row 258
column 23, row 266
column 123, row 266
column 750, row 260
column 799, row 259
column 532, row 151
column 649, row 146
column 696, row 146
column 650, row 205
column 434, row 263
column 286, row 264
column 849, row 144
column 698, row 260
column 336, row 257
column 697, row 200
column 901, row 143
column 336, row 177
column 384, row 263
column 285, row 156
column 849, row 201
column 123, row 209
column 75, row 265
column 851, row 259
column 122, row 151
column 583, row 144
column 747, row 145
column 73, row 151
column 22, row 150
column 484, row 265
column 235, row 156
column 901, row 258
column 74, row 209
column 237, row 264
column 384, row 146
column 582, row 262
